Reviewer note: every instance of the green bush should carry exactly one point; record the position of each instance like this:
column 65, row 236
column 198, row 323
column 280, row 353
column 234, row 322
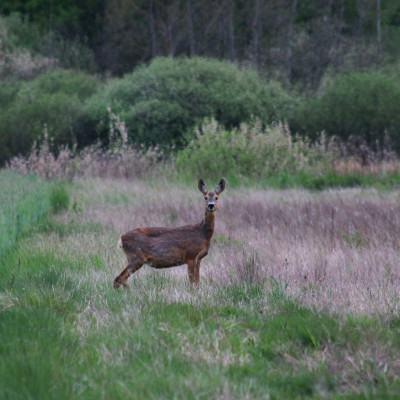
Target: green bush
column 252, row 151
column 359, row 105
column 54, row 99
column 161, row 103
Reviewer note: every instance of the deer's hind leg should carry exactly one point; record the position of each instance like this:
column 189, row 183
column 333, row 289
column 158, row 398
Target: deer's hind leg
column 133, row 264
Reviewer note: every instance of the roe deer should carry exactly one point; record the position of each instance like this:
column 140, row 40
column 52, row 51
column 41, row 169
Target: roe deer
column 170, row 247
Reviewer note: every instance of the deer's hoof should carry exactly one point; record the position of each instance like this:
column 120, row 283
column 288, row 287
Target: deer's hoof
column 117, row 283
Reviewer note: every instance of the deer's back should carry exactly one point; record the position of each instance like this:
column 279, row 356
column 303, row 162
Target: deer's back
column 165, row 247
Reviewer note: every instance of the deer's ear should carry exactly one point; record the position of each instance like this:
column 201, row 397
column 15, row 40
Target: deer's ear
column 220, row 187
column 202, row 186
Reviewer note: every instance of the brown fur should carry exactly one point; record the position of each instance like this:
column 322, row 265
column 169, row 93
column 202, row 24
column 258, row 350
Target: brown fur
column 170, row 247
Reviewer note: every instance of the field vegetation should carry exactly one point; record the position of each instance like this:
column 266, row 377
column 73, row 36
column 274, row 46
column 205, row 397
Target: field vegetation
column 299, row 297
column 25, row 200
column 109, row 115
column 315, row 67
column 254, row 154
column 184, row 114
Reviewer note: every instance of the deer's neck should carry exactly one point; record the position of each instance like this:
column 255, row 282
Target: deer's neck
column 207, row 226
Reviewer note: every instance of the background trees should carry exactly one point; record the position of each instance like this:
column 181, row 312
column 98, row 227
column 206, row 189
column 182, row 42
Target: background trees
column 297, row 41
column 163, row 66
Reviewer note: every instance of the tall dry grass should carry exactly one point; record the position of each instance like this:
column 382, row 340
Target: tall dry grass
column 336, row 250
column 355, row 156
column 118, row 160
column 253, row 152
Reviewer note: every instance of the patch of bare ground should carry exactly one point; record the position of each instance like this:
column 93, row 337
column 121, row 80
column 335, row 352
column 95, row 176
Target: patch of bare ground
column 337, row 250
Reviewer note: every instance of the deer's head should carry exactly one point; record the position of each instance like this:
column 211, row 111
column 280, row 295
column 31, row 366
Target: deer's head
column 211, row 198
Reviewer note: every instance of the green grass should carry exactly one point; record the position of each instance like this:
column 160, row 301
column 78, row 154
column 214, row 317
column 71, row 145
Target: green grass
column 59, row 197
column 331, row 179
column 24, row 200
column 66, row 333
column 312, row 181
column 139, row 346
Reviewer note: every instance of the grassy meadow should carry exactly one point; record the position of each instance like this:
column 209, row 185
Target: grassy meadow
column 299, row 297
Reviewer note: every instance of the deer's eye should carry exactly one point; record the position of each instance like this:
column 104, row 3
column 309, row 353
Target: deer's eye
column 205, row 198
column 216, row 198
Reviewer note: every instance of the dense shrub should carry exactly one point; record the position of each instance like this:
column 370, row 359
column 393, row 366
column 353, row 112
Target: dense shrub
column 251, row 151
column 160, row 103
column 362, row 106
column 53, row 100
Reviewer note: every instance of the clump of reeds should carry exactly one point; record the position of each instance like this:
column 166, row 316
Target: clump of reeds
column 44, row 163
column 119, row 160
column 356, row 156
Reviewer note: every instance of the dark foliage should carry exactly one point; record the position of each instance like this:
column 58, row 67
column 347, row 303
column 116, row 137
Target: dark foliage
column 162, row 102
column 361, row 106
column 52, row 102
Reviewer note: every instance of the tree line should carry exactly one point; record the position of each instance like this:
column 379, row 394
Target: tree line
column 296, row 41
column 320, row 66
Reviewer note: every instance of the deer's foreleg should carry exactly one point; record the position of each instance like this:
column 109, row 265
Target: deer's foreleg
column 194, row 273
column 191, row 271
column 197, row 273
